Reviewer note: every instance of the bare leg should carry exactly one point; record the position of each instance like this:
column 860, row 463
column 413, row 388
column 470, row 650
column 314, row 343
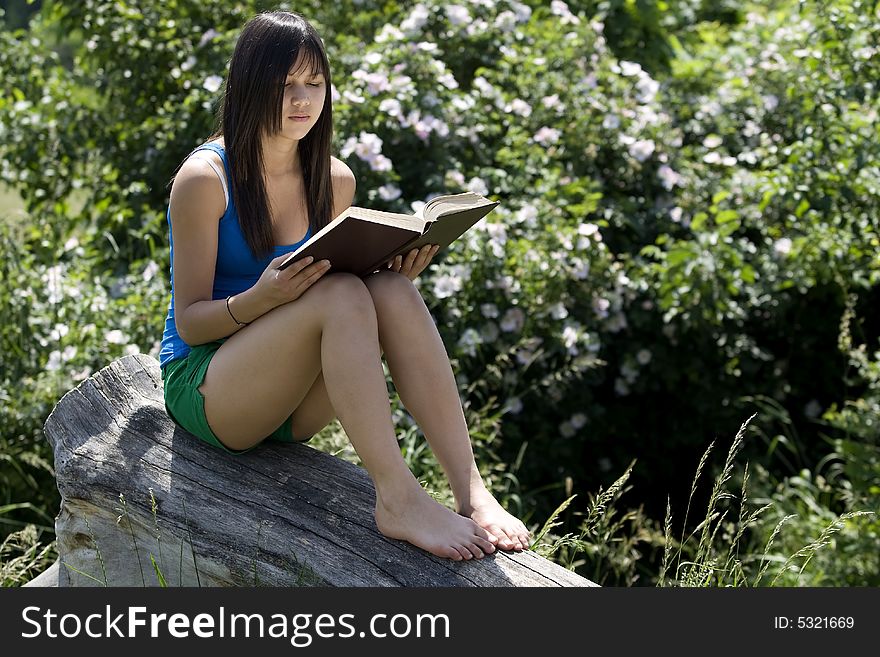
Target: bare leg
column 331, row 330
column 421, row 372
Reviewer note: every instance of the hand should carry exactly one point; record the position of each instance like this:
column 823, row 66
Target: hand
column 277, row 287
column 415, row 261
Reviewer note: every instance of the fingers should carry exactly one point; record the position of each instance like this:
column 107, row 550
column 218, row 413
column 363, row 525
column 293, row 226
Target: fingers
column 415, row 261
column 308, row 276
column 293, row 269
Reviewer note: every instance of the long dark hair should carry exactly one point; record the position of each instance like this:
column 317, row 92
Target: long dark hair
column 266, row 50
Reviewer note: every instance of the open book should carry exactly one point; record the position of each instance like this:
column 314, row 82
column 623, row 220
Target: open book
column 360, row 241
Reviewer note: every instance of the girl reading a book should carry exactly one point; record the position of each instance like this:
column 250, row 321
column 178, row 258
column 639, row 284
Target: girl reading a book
column 251, row 352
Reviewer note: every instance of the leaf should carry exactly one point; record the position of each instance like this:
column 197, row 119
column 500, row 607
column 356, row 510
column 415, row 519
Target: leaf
column 717, row 197
column 678, row 256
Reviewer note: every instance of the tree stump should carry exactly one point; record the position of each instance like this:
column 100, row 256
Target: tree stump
column 144, row 503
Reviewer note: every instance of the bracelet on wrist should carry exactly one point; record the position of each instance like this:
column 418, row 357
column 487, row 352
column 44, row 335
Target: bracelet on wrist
column 229, row 310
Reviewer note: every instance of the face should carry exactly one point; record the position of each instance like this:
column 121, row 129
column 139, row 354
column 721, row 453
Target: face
column 304, row 91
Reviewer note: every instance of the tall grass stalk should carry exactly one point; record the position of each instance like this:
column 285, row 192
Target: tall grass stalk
column 123, row 509
column 808, row 551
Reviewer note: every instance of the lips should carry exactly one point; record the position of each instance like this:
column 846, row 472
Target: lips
column 299, row 117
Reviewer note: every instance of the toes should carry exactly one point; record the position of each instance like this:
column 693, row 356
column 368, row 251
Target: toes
column 483, row 545
column 452, row 553
column 476, row 551
column 464, row 552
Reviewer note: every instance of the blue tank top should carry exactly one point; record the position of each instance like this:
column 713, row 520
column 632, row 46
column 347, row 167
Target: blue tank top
column 237, row 270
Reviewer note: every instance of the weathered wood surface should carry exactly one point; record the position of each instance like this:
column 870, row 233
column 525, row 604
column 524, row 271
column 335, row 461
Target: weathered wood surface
column 281, row 515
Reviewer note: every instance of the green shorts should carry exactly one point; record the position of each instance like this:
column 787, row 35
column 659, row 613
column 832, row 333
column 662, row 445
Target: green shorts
column 185, row 404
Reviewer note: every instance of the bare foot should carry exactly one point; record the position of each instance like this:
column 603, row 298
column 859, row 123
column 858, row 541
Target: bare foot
column 488, row 514
column 426, row 524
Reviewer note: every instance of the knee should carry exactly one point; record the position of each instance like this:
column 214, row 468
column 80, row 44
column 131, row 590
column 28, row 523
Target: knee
column 392, row 292
column 345, row 295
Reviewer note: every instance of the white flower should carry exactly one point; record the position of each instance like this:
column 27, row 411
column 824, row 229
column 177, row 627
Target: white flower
column 578, row 420
column 580, row 269
column 513, row 320
column 489, row 310
column 523, row 12
column 668, row 177
column 376, row 82
column 458, row 15
column 570, row 338
column 642, row 149
column 54, row 362
column 115, row 337
column 209, row 34
column 546, row 136
column 675, row 214
column 389, row 192
column 391, row 107
column 469, row 341
column 150, row 271
column 630, row 68
column 646, row 88
column 527, row 214
column 212, row 83
column 380, row 163
column 600, row 307
column 559, row 8
column 416, row 19
column 446, row 285
column 771, row 102
column 552, row 102
column 519, row 106
column 389, row 33
column 53, row 283
column 712, row 141
column 643, row 356
column 505, row 21
column 477, row 186
column 611, row 122
column 620, row 387
column 558, row 311
column 782, row 246
column 589, row 230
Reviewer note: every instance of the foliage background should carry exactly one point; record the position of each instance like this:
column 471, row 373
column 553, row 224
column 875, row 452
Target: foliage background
column 688, row 236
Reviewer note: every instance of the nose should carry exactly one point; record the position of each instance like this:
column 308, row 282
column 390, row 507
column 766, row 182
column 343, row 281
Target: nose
column 300, row 101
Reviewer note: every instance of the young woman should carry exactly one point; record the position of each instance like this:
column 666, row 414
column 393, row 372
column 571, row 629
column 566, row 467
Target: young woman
column 250, row 352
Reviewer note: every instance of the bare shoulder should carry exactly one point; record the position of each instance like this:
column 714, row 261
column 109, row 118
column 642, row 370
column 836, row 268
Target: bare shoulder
column 196, row 187
column 344, row 184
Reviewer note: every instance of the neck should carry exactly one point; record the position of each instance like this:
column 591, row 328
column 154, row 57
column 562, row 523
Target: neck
column 281, row 157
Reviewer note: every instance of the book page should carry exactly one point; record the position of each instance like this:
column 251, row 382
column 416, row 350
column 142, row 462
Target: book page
column 451, row 203
column 407, row 221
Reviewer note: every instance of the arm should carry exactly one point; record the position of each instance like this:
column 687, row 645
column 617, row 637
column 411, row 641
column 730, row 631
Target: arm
column 343, row 186
column 197, row 204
